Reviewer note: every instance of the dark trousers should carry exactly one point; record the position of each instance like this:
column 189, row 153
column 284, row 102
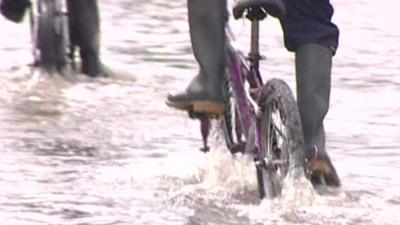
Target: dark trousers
column 309, row 22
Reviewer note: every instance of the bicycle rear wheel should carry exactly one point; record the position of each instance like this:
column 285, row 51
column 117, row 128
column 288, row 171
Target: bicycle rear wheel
column 52, row 36
column 282, row 140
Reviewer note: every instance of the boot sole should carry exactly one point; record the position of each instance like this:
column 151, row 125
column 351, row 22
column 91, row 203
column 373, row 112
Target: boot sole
column 208, row 107
column 198, row 106
column 327, row 171
column 185, row 106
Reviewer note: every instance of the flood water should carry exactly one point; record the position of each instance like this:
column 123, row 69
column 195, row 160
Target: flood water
column 109, row 151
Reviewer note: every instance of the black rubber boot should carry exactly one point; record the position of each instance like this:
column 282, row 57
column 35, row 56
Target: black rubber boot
column 84, row 28
column 313, row 74
column 205, row 93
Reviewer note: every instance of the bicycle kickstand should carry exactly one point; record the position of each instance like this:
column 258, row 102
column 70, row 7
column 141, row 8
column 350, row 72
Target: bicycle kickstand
column 205, row 131
column 204, row 127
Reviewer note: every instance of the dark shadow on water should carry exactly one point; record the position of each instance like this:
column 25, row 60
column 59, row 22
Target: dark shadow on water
column 61, row 148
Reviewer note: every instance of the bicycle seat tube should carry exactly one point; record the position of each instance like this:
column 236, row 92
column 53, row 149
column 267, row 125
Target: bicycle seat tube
column 255, row 15
column 254, row 55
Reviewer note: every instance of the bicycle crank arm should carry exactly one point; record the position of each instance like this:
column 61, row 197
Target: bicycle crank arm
column 200, row 116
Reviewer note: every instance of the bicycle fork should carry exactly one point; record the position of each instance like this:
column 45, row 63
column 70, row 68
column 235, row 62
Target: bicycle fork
column 205, row 127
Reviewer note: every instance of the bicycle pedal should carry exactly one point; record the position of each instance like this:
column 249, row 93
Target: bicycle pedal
column 196, row 115
column 200, row 115
column 215, row 116
column 240, row 147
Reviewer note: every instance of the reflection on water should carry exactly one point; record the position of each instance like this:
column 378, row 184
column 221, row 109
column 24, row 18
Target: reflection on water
column 108, row 151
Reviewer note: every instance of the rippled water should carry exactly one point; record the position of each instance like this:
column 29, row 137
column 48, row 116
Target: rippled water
column 108, row 151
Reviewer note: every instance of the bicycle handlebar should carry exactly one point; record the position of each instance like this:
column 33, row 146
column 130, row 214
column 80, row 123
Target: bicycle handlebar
column 258, row 9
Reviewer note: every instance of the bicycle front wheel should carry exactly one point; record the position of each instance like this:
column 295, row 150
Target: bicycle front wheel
column 282, row 140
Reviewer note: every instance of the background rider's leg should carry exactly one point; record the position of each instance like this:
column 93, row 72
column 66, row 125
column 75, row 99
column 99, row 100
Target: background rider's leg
column 84, row 23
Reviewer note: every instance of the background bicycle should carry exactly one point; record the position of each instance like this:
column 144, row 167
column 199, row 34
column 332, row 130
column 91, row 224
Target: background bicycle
column 52, row 49
column 58, row 28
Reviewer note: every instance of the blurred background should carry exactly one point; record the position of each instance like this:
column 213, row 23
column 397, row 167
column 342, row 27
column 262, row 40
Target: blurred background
column 109, row 151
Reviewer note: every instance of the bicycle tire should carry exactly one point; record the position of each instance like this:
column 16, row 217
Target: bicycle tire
column 282, row 139
column 52, row 37
column 231, row 127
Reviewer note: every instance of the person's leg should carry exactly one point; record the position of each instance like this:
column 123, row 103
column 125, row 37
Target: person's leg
column 84, row 26
column 313, row 74
column 205, row 94
column 310, row 33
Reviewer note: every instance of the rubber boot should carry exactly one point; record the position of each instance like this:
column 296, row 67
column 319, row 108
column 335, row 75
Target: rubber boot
column 84, row 29
column 313, row 74
column 205, row 93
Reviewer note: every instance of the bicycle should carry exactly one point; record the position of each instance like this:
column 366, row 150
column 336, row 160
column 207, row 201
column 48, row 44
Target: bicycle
column 262, row 120
column 50, row 36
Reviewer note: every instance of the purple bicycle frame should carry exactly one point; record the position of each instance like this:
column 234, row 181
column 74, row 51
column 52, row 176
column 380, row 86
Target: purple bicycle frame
column 239, row 72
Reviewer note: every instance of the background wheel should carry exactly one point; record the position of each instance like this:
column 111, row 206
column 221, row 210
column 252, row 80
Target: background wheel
column 282, row 140
column 51, row 37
